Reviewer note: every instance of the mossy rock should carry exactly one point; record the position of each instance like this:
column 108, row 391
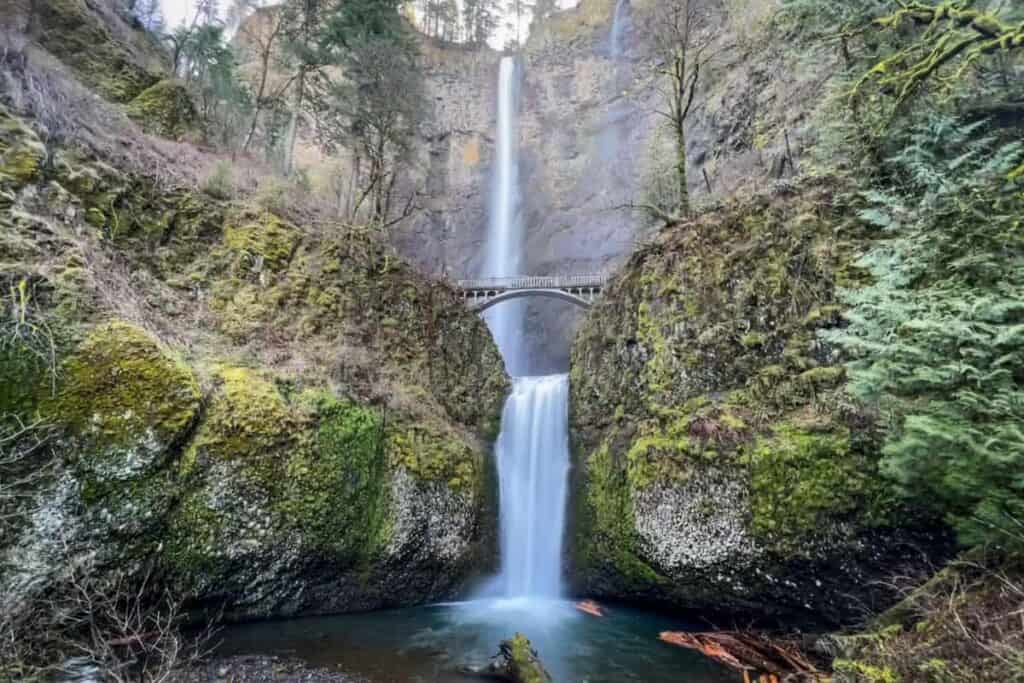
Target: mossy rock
column 435, row 452
column 260, row 239
column 337, row 491
column 523, row 663
column 22, row 153
column 164, row 109
column 803, row 482
column 248, row 420
column 123, row 392
column 118, row 61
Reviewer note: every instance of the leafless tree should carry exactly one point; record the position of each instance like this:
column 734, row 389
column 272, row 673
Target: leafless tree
column 374, row 113
column 262, row 33
column 683, row 37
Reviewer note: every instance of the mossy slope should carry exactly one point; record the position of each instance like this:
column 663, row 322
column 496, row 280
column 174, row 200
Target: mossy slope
column 719, row 463
column 310, row 439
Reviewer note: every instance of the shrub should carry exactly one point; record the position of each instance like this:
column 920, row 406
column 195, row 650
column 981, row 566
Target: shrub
column 220, row 184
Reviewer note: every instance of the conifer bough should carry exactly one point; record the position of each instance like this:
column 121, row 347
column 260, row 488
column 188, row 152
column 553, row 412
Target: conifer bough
column 953, row 31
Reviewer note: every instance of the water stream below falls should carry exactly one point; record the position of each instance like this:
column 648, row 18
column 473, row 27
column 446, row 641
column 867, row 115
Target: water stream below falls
column 431, row 644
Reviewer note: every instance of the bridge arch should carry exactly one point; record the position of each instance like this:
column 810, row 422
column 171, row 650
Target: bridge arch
column 510, row 294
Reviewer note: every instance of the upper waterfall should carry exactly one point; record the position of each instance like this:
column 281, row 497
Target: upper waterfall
column 504, row 257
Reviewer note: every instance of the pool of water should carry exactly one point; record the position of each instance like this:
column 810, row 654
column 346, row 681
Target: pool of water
column 432, row 643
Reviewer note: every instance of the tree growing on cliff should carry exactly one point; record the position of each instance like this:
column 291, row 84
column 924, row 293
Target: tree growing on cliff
column 480, row 19
column 373, row 111
column 683, row 39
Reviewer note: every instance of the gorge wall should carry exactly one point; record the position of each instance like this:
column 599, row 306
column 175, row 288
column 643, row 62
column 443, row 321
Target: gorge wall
column 261, row 410
column 590, row 142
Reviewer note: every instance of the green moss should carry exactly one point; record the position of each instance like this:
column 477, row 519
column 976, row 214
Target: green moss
column 165, row 109
column 247, row 421
column 866, row 672
column 262, row 237
column 338, row 490
column 195, row 534
column 609, row 537
column 118, row 67
column 122, row 390
column 803, row 482
column 435, row 453
column 22, row 153
column 526, row 668
column 753, row 340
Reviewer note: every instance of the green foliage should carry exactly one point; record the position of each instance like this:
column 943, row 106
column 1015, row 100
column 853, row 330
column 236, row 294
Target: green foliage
column 937, row 337
column 207, row 60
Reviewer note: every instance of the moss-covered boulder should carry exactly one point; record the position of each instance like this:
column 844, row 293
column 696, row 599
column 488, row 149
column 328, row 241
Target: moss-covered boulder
column 127, row 405
column 122, row 392
column 719, row 463
column 164, row 109
column 306, row 504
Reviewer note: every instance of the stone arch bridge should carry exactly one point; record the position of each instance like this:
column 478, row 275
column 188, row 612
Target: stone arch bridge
column 581, row 290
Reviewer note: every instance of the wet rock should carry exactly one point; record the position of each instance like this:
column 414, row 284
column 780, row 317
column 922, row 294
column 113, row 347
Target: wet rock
column 516, row 662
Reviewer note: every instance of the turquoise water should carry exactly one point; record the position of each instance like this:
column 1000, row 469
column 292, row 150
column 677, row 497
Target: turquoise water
column 431, row 644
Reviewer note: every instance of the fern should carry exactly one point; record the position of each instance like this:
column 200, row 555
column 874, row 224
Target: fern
column 937, row 339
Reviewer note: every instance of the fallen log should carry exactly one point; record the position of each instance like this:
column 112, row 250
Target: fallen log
column 759, row 658
column 590, row 607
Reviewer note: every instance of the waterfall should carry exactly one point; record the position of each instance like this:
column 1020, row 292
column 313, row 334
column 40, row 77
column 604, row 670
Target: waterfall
column 532, row 450
column 533, row 464
column 621, row 22
column 504, row 234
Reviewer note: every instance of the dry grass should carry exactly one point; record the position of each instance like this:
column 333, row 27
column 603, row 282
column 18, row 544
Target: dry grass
column 965, row 624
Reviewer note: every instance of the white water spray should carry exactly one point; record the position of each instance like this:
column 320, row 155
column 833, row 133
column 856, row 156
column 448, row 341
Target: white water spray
column 533, row 448
column 621, row 22
column 504, row 234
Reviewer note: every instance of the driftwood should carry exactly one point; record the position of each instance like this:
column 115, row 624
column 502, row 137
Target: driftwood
column 590, row 607
column 759, row 658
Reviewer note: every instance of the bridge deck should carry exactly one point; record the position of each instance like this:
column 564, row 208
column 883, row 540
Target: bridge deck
column 504, row 284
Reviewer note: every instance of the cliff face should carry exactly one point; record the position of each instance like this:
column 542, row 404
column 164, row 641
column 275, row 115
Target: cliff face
column 590, row 141
column 271, row 413
column 718, row 464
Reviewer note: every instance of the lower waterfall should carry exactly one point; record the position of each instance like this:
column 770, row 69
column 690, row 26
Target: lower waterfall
column 533, row 464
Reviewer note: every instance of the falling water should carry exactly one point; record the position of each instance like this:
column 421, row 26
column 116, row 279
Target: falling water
column 621, row 22
column 533, row 463
column 532, row 450
column 504, row 235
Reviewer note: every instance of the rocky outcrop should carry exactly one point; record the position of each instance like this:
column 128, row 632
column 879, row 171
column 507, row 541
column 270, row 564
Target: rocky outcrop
column 98, row 40
column 273, row 419
column 718, row 463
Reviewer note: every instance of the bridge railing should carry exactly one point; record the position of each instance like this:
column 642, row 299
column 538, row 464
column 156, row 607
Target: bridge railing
column 534, row 282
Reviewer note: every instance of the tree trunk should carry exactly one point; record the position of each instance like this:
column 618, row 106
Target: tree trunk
column 681, row 177
column 289, row 147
